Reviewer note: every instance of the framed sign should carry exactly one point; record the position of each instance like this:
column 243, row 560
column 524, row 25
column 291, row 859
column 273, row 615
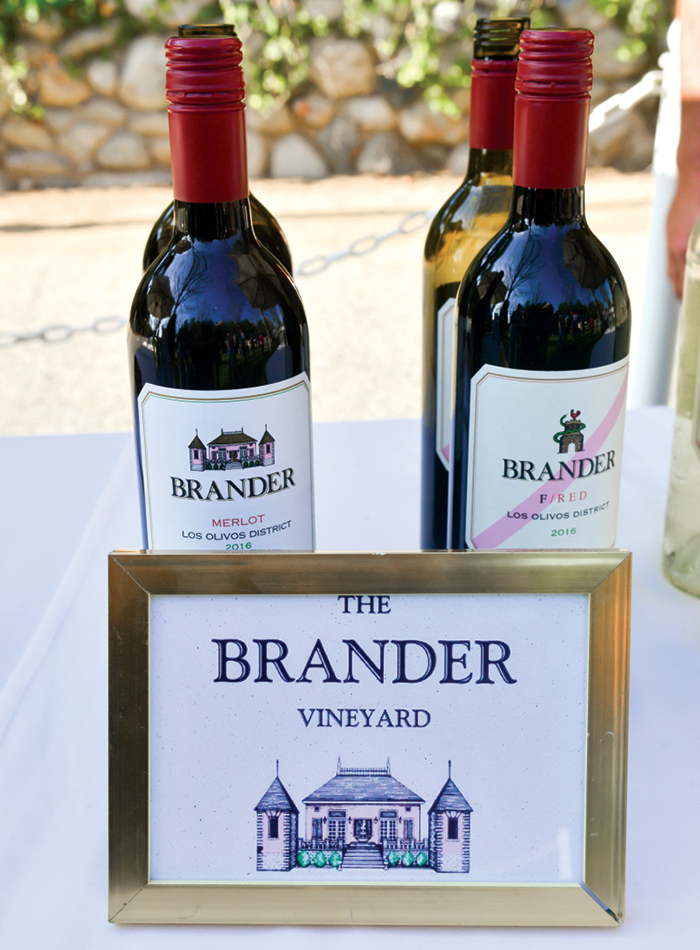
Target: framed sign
column 371, row 739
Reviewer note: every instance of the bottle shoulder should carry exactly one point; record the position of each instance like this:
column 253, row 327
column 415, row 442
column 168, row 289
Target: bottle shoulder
column 558, row 255
column 160, row 236
column 221, row 281
column 270, row 232
column 544, row 298
column 459, row 235
column 474, row 206
column 266, row 226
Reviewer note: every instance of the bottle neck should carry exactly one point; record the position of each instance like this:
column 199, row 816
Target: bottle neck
column 205, row 90
column 212, row 221
column 492, row 101
column 208, row 156
column 487, row 163
column 546, row 207
column 551, row 138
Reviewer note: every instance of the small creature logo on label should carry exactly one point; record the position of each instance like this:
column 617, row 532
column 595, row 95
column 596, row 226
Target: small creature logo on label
column 572, row 434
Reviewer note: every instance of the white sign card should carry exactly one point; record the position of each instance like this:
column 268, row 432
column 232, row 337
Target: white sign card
column 377, row 737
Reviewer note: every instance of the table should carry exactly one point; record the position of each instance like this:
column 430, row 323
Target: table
column 68, row 500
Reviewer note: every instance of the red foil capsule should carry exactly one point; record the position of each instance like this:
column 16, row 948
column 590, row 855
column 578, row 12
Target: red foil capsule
column 205, row 90
column 552, row 105
column 492, row 104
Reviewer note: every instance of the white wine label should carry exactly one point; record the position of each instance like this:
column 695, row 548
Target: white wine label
column 443, row 359
column 228, row 470
column 545, row 451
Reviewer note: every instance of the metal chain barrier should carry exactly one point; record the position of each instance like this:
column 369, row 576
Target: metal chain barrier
column 60, row 332
column 364, row 245
column 648, row 85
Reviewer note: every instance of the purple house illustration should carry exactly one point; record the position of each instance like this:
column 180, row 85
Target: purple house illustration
column 364, row 812
column 231, row 450
column 363, row 818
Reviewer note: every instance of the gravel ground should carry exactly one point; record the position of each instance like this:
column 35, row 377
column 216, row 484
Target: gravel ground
column 71, row 256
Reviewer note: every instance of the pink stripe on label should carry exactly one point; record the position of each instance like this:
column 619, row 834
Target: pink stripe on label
column 506, row 527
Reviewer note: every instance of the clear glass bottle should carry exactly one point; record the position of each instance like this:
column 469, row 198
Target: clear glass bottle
column 466, row 222
column 681, row 559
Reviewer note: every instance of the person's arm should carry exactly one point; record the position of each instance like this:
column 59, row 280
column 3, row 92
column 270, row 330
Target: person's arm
column 685, row 208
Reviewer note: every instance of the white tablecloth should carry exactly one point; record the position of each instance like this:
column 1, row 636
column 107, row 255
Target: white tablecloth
column 68, row 500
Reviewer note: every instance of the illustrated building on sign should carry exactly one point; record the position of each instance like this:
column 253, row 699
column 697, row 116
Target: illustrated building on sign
column 449, row 820
column 277, row 829
column 364, row 818
column 231, row 450
column 572, row 434
column 363, row 812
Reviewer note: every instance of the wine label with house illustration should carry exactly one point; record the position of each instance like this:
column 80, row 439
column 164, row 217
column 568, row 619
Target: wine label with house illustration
column 545, row 452
column 228, row 470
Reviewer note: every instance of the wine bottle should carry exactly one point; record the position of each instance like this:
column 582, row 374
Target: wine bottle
column 543, row 332
column 467, row 220
column 681, row 552
column 218, row 340
column 266, row 226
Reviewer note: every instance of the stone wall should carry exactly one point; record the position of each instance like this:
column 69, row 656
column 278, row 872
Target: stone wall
column 104, row 114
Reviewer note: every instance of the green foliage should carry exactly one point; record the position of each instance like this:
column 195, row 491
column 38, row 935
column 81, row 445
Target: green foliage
column 644, row 23
column 12, row 91
column 423, row 45
column 276, row 36
column 410, row 47
column 73, row 12
column 65, row 15
column 414, row 47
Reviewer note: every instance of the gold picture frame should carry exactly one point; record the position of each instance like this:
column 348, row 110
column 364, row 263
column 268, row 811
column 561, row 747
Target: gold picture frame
column 597, row 899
